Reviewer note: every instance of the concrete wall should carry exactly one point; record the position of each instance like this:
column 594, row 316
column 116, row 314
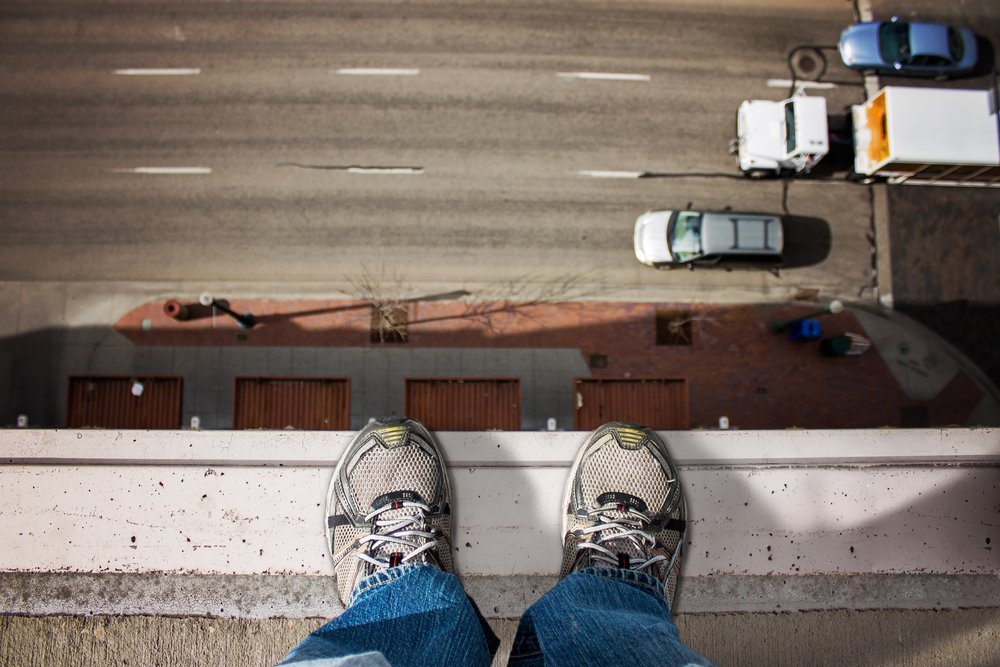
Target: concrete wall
column 778, row 519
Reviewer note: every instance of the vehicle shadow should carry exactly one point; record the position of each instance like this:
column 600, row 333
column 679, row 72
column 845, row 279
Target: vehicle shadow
column 839, row 161
column 807, row 241
column 986, row 65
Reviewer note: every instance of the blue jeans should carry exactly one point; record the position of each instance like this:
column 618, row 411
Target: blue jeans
column 419, row 615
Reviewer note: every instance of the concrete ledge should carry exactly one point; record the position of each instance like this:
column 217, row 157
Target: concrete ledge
column 517, row 449
column 232, row 523
column 278, row 596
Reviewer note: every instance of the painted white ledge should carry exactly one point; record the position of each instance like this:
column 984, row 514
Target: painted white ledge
column 798, row 447
column 765, row 504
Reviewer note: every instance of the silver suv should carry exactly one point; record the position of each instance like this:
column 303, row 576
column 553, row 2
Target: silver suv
column 669, row 239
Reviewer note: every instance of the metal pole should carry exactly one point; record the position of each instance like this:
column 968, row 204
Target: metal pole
column 246, row 320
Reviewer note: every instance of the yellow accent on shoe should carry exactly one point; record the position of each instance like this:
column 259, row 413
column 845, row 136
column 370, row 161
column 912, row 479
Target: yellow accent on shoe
column 392, row 435
column 629, row 438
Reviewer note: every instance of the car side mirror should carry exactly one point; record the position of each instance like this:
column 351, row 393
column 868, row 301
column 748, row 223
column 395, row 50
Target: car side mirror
column 894, row 19
column 898, row 65
column 690, row 266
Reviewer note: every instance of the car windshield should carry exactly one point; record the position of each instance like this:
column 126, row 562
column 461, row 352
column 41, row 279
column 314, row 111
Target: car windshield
column 789, row 127
column 955, row 46
column 684, row 235
column 894, row 41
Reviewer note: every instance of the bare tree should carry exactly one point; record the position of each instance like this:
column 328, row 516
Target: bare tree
column 676, row 326
column 388, row 304
column 524, row 296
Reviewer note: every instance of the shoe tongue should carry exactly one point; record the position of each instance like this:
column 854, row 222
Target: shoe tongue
column 623, row 500
column 624, row 548
column 397, row 498
column 394, row 552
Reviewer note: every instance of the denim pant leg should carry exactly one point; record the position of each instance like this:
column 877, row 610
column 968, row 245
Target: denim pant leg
column 407, row 615
column 601, row 616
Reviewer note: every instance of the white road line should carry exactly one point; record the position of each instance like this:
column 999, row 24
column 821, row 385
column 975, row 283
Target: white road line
column 385, row 170
column 606, row 76
column 611, row 174
column 785, row 83
column 172, row 171
column 865, row 10
column 373, row 71
column 179, row 71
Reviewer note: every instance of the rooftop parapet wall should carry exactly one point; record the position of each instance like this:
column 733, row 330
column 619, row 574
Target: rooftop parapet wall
column 763, row 505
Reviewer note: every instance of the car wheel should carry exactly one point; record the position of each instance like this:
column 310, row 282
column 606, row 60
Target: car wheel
column 758, row 174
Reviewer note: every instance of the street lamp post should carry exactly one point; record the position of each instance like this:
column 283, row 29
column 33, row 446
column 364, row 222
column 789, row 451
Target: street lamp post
column 246, row 320
column 777, row 326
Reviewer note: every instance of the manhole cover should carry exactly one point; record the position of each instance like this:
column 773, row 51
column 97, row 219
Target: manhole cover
column 808, row 63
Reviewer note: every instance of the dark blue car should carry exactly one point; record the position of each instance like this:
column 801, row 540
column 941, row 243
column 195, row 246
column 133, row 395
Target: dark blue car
column 909, row 49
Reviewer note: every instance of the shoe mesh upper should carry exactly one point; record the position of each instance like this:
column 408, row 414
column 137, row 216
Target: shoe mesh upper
column 381, row 470
column 372, row 472
column 633, row 469
column 614, row 468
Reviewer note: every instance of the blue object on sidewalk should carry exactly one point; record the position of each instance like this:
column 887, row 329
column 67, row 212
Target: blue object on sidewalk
column 804, row 330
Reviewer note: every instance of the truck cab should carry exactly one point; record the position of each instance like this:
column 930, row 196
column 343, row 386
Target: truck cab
column 772, row 137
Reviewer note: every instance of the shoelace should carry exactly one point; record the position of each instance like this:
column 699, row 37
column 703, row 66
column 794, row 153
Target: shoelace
column 614, row 525
column 407, row 531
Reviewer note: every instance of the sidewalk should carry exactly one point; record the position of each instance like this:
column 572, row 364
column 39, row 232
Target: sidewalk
column 731, row 364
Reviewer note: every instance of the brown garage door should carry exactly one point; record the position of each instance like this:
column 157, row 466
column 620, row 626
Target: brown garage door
column 111, row 402
column 465, row 404
column 316, row 404
column 658, row 403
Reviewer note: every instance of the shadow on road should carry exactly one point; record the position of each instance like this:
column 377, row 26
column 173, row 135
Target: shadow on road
column 986, row 65
column 807, row 241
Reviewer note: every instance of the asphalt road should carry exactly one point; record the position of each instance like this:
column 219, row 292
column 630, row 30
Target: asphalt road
column 498, row 136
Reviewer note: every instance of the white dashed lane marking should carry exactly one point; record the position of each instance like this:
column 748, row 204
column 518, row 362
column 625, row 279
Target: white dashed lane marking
column 166, row 171
column 384, row 170
column 604, row 76
column 786, row 83
column 179, row 71
column 611, row 174
column 374, row 71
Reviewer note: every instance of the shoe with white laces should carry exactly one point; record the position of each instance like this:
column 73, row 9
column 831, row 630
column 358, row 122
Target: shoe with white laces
column 624, row 507
column 389, row 503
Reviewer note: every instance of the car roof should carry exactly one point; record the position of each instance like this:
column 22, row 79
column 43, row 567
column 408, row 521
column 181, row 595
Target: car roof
column 929, row 39
column 734, row 233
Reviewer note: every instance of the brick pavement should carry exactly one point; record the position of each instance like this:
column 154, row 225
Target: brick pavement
column 733, row 365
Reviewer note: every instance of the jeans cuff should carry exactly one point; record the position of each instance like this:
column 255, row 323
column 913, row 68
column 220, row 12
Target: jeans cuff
column 381, row 578
column 641, row 580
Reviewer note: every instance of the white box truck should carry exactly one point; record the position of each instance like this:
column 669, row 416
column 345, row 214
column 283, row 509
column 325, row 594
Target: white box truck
column 928, row 136
column 923, row 136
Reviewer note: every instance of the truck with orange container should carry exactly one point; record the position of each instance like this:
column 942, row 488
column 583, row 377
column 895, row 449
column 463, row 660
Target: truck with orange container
column 920, row 136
